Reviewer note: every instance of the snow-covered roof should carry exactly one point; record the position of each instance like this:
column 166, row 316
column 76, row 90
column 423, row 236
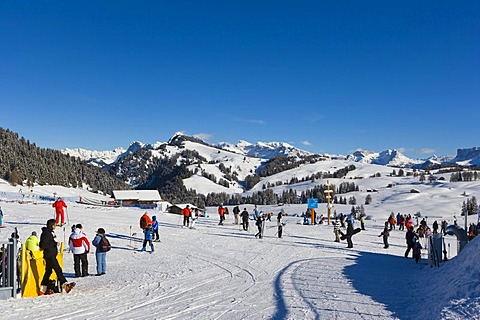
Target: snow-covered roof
column 140, row 195
column 184, row 205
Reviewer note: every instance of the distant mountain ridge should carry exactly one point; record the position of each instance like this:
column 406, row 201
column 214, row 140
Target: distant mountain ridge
column 185, row 167
column 270, row 150
column 393, row 158
column 264, row 150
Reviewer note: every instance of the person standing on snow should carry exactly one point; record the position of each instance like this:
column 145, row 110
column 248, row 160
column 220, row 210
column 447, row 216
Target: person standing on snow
column 221, row 213
column 336, row 229
column 385, row 233
column 409, row 237
column 349, row 233
column 80, row 246
column 194, row 215
column 59, row 213
column 417, row 249
column 236, row 212
column 280, row 224
column 100, row 254
column 1, row 217
column 186, row 216
column 148, row 232
column 245, row 219
column 259, row 223
column 435, row 227
column 50, row 251
column 155, row 228
column 362, row 221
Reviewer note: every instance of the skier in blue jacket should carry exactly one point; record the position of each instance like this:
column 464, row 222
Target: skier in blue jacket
column 148, row 232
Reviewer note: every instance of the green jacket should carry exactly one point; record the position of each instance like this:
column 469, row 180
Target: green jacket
column 32, row 243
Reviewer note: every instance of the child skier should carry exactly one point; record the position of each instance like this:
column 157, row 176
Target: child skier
column 417, row 247
column 148, row 232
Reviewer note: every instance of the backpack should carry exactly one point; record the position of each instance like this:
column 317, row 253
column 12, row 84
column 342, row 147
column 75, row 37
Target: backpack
column 143, row 222
column 105, row 245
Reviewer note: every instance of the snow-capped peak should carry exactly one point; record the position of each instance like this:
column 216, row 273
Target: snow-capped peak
column 264, row 150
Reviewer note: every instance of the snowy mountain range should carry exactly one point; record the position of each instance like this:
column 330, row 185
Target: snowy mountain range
column 270, row 150
column 226, row 167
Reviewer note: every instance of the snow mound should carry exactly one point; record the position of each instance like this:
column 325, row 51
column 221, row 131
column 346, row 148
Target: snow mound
column 453, row 290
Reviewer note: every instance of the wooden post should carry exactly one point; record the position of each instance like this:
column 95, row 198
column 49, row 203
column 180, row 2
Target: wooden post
column 329, row 206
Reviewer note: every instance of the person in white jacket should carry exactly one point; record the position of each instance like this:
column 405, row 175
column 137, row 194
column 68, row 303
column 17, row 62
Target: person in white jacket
column 80, row 246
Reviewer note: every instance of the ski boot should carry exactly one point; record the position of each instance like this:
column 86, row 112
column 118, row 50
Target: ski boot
column 68, row 286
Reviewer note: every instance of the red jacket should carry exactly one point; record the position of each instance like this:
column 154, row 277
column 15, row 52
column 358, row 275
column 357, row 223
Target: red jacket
column 148, row 220
column 78, row 242
column 186, row 212
column 59, row 205
column 221, row 211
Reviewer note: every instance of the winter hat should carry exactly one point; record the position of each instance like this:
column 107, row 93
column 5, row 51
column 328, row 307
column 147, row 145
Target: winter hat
column 101, row 231
column 34, row 233
column 79, row 226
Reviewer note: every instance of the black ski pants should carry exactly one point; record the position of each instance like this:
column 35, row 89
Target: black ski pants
column 52, row 264
column 409, row 247
column 245, row 224
column 80, row 260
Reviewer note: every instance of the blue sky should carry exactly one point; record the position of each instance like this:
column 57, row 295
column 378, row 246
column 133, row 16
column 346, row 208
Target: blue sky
column 325, row 76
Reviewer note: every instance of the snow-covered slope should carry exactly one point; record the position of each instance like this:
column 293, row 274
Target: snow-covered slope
column 223, row 272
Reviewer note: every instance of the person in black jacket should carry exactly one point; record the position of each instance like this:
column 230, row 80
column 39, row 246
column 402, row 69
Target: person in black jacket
column 349, row 234
column 50, row 251
column 409, row 236
column 244, row 216
column 259, row 223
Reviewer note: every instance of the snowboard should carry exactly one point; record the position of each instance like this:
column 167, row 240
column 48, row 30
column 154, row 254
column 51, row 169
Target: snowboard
column 344, row 236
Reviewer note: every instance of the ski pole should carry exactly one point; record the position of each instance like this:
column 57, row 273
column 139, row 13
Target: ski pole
column 64, row 241
column 66, row 211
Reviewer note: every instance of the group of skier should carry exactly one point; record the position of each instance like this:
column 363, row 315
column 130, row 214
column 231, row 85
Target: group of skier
column 79, row 246
column 258, row 216
column 150, row 230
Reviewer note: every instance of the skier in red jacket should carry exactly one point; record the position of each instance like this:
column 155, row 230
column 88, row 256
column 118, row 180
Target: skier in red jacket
column 59, row 213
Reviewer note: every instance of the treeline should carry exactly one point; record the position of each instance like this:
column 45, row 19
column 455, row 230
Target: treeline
column 280, row 164
column 23, row 162
column 291, row 196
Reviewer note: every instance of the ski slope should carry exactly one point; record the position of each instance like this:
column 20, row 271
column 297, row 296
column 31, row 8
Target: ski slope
column 223, row 272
